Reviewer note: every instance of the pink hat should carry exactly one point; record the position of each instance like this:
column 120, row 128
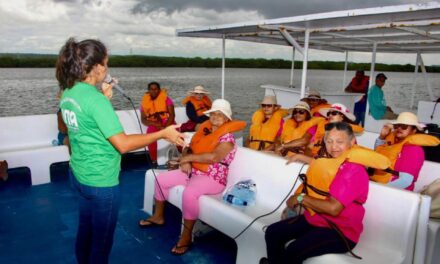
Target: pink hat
column 339, row 108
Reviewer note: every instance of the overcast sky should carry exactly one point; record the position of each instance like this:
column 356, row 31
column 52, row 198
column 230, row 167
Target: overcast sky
column 148, row 27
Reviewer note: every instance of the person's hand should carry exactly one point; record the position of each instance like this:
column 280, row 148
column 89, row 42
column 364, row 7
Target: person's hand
column 107, row 90
column 293, row 158
column 185, row 168
column 386, row 130
column 279, row 150
column 173, row 136
column 292, row 202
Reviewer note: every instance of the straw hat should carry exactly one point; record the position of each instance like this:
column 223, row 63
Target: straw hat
column 339, row 108
column 221, row 105
column 408, row 118
column 302, row 105
column 269, row 99
column 198, row 90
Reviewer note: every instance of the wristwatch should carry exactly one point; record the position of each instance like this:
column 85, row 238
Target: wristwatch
column 300, row 198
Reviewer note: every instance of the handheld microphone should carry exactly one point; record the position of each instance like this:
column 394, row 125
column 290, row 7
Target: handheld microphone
column 108, row 79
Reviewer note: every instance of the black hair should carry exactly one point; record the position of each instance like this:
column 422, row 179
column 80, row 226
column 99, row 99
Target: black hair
column 340, row 126
column 77, row 59
column 153, row 83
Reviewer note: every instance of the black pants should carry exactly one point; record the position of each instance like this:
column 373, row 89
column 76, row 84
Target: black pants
column 309, row 241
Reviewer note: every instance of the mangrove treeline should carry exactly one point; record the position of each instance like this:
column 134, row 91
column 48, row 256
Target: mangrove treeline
column 48, row 61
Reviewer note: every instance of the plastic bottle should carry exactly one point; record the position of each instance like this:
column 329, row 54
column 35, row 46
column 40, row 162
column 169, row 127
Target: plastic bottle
column 54, row 142
column 234, row 200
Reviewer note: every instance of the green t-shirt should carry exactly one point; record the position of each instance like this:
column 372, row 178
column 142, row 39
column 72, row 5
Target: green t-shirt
column 91, row 120
column 376, row 102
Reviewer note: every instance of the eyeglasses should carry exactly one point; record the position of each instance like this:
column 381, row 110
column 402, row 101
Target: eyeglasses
column 402, row 126
column 198, row 93
column 332, row 113
column 301, row 112
column 266, row 105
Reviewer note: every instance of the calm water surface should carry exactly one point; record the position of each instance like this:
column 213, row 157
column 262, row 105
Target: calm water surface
column 34, row 91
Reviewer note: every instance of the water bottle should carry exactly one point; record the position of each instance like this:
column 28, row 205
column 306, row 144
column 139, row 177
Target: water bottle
column 234, row 200
column 55, row 142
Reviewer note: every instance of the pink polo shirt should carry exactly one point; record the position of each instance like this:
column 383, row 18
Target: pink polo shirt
column 349, row 185
column 410, row 160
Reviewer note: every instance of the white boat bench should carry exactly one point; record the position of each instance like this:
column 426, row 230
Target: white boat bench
column 395, row 224
column 26, row 141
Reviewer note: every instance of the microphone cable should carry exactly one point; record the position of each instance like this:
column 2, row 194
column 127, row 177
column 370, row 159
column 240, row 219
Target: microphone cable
column 274, row 210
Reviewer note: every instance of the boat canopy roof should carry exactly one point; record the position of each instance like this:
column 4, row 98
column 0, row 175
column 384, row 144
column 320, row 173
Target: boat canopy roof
column 413, row 28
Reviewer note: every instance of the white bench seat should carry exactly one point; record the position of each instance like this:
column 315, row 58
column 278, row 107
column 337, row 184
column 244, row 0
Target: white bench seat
column 395, row 223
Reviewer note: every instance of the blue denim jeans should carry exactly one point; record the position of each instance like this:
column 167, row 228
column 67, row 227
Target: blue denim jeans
column 98, row 214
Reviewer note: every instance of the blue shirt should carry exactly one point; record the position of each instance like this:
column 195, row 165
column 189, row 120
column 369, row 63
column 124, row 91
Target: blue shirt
column 376, row 102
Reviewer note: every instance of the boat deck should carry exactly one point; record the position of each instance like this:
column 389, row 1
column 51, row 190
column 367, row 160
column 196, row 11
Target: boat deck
column 38, row 223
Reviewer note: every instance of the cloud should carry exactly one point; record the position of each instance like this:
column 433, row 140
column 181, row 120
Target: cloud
column 148, row 27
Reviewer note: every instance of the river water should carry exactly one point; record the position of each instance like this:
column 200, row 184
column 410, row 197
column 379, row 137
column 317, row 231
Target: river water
column 31, row 91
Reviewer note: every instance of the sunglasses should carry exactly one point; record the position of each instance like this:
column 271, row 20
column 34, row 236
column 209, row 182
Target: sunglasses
column 402, row 126
column 266, row 105
column 301, row 112
column 332, row 113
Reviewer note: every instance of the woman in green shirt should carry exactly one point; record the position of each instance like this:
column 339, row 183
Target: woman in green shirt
column 97, row 141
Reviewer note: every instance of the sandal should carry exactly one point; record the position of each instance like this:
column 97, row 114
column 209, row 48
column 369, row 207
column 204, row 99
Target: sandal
column 150, row 224
column 185, row 248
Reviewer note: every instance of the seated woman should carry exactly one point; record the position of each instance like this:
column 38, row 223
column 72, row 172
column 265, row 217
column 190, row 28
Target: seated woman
column 157, row 112
column 267, row 123
column 332, row 221
column 315, row 102
column 297, row 131
column 196, row 103
column 203, row 170
column 335, row 113
column 402, row 145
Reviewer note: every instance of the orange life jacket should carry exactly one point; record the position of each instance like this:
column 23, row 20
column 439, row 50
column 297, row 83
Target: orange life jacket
column 199, row 105
column 262, row 134
column 206, row 143
column 322, row 171
column 156, row 108
column 392, row 151
column 292, row 131
column 315, row 110
column 320, row 131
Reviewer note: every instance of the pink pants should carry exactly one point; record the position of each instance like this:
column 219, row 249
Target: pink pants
column 195, row 187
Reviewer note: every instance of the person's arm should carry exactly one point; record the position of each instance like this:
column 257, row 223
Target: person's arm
column 61, row 125
column 331, row 206
column 297, row 143
column 217, row 155
column 172, row 115
column 125, row 143
column 147, row 122
column 299, row 157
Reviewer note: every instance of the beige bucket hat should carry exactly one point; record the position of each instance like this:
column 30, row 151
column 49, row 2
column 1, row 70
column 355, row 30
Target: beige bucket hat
column 221, row 105
column 301, row 105
column 408, row 118
column 339, row 108
column 198, row 90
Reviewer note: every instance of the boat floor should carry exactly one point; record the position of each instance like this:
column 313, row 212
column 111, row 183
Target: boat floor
column 39, row 223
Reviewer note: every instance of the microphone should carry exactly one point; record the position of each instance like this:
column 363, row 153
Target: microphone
column 108, row 79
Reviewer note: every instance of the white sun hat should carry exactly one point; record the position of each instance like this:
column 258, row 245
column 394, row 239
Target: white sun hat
column 221, row 105
column 198, row 90
column 269, row 99
column 339, row 108
column 408, row 118
column 301, row 105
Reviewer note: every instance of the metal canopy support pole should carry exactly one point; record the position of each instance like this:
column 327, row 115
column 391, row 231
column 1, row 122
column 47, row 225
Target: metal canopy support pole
column 223, row 66
column 373, row 64
column 345, row 70
column 293, row 68
column 304, row 66
column 416, row 73
column 428, row 84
